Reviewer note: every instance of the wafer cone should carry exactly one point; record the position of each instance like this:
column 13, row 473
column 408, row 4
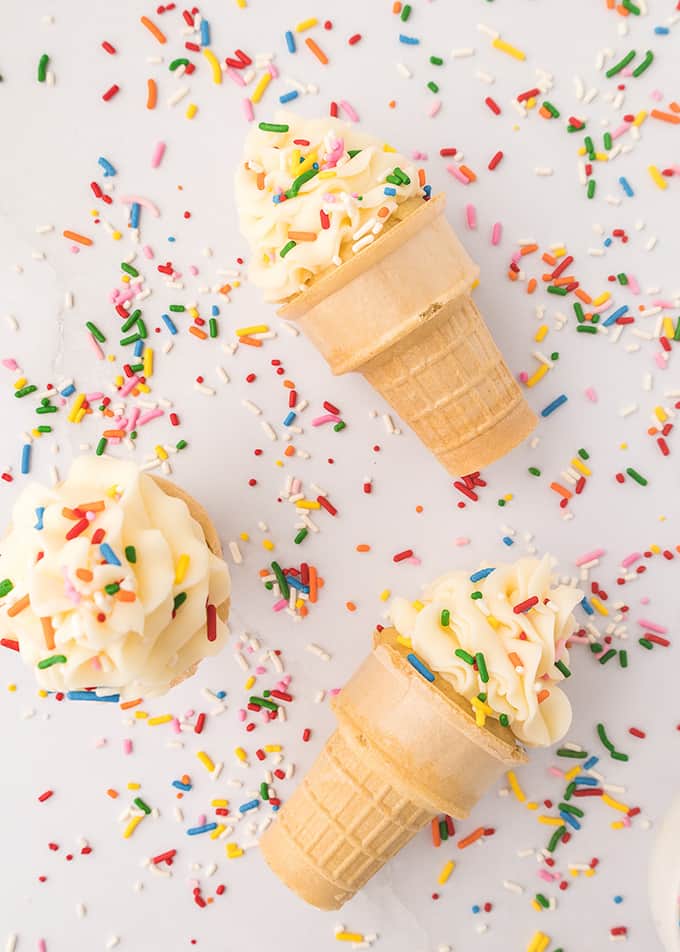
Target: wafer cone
column 212, row 539
column 400, row 312
column 404, row 750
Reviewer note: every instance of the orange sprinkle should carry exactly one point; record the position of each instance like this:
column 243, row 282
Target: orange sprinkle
column 350, row 606
column 260, row 181
column 290, row 384
column 72, row 514
column 652, row 431
column 396, row 7
column 542, row 696
column 531, row 286
column 251, row 341
column 515, row 659
column 512, row 275
column 392, row 103
column 582, row 296
column 197, row 332
column 313, row 585
column 97, row 506
column 84, row 240
column 674, row 106
column 302, row 236
column 548, row 258
column 317, row 51
column 468, row 173
column 665, row 116
column 421, row 177
column 264, row 572
column 610, row 4
column 561, row 281
column 128, row 704
column 289, row 451
column 112, row 793
column 436, row 835
column 48, row 632
column 547, row 276
column 225, row 289
column 84, row 575
column 153, row 29
column 544, row 112
column 151, row 93
column 383, row 212
column 472, row 838
column 622, row 11
column 363, row 548
column 528, row 249
column 561, row 490
column 124, row 596
column 113, row 433
column 303, row 611
column 18, row 606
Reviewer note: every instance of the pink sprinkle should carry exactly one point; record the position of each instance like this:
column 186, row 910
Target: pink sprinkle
column 578, row 640
column 560, row 649
column 660, row 302
column 42, row 945
column 127, row 745
column 644, row 600
column 96, row 664
column 589, row 556
column 456, row 172
column 193, row 270
column 626, row 821
column 280, row 605
column 10, row 363
column 621, row 130
column 350, row 110
column 273, row 71
column 242, row 715
column 176, row 726
column 149, row 415
column 140, row 200
column 202, row 819
column 461, row 540
column 334, row 691
column 591, row 394
column 471, row 216
column 633, row 285
column 157, row 154
column 434, row 108
column 147, row 251
column 656, row 95
column 99, row 353
column 496, row 233
column 326, row 418
column 75, row 250
column 630, row 559
column 660, row 360
column 414, row 560
column 248, row 110
column 134, row 416
column 419, row 156
column 128, row 386
column 235, row 76
column 659, row 629
column 546, row 876
column 94, row 395
column 555, row 772
column 523, row 376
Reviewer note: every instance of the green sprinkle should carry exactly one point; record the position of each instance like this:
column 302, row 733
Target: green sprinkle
column 476, row 595
column 563, row 669
column 617, row 755
column 42, row 67
column 551, row 109
column 144, row 807
column 578, row 311
column 340, row 425
column 646, row 644
column 143, row 332
column 607, row 656
column 280, row 578
column 212, row 327
column 6, row 587
column 101, row 446
column 132, row 319
column 462, row 653
column 445, row 618
column 676, row 336
column 405, row 12
column 269, row 586
column 568, row 808
column 595, row 319
column 133, row 435
column 553, row 289
column 617, row 67
column 481, row 667
column 177, row 308
column 534, row 471
column 501, row 502
column 44, row 429
column 586, row 329
column 46, row 409
column 590, row 148
column 301, row 536
column 262, row 702
column 623, row 658
column 179, row 600
column 128, row 269
column 569, row 792
column 131, row 554
column 633, row 473
column 591, row 188
column 433, row 87
column 436, row 61
column 555, row 838
column 289, row 245
column 112, row 588
column 264, row 790
column 352, row 152
column 273, row 127
column 96, row 333
column 584, row 454
column 555, row 355
column 443, row 831
column 482, row 696
column 596, row 648
column 176, row 63
column 574, row 754
column 181, row 445
column 602, row 734
column 622, row 278
column 131, row 339
column 541, row 899
column 607, row 140
column 504, row 720
column 300, row 181
column 635, row 10
column 48, row 662
column 24, row 391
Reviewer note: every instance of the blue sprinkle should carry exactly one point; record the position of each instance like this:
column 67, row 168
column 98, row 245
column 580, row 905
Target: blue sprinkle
column 108, row 554
column 168, row 323
column 26, row 458
column 297, row 584
column 171, row 238
column 221, row 695
column 205, row 33
column 106, row 165
column 250, row 805
column 275, row 809
column 587, row 607
column 138, row 348
column 214, row 310
column 135, row 209
column 67, row 391
column 206, row 828
column 388, row 190
column 555, row 405
column 415, row 661
column 619, row 312
column 508, row 540
column 178, row 785
column 590, row 763
column 607, row 242
column 582, row 781
column 289, row 418
column 478, row 576
column 427, row 190
column 409, row 40
column 661, row 30
column 290, row 41
column 618, row 900
column 571, row 820
column 92, row 696
column 39, row 513
column 476, row 909
column 288, row 97
column 625, row 185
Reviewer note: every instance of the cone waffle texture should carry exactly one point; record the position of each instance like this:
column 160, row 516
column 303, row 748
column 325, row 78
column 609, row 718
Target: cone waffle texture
column 400, row 312
column 212, row 539
column 403, row 751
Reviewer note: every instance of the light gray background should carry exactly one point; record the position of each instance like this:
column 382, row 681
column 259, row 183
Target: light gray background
column 53, row 137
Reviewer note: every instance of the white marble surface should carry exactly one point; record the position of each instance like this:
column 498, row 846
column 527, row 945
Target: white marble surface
column 53, row 137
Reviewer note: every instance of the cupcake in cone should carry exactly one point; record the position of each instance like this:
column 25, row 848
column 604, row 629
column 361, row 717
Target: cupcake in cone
column 346, row 236
column 113, row 579
column 428, row 722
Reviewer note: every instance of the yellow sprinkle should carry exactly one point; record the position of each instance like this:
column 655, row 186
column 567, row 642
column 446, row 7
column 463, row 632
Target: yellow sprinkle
column 601, row 298
column 299, row 602
column 306, row 24
column 181, row 569
column 214, row 66
column 539, row 908
column 116, row 235
column 537, row 375
column 655, row 549
column 640, row 118
column 616, row 825
column 244, row 537
column 540, row 941
column 493, row 621
column 559, row 252
column 550, row 820
column 582, row 150
column 504, row 47
column 161, row 454
column 406, row 642
column 598, row 606
column 570, row 774
column 205, row 760
column 148, row 362
column 480, row 718
column 143, row 388
column 657, row 177
column 161, row 719
column 192, row 109
column 42, row 693
column 272, row 748
column 575, row 872
column 21, row 382
column 75, row 408
column 11, row 687
column 141, row 715
column 418, row 605
column 602, row 157
column 541, row 332
column 446, row 872
column 125, row 278
column 508, row 497
column 388, row 148
column 475, row 284
column 241, row 754
column 308, row 504
column 660, row 414
column 36, row 433
column 530, row 103
column 327, row 173
column 531, row 805
column 668, row 328
column 385, row 594
column 233, row 851
column 249, row 331
column 308, row 162
column 134, row 786
column 220, row 804
column 349, row 937
column 262, row 84
column 515, row 787
column 132, row 826
column 267, row 544
column 249, row 683
column 614, row 804
column 591, row 872
column 217, row 832
column 581, row 466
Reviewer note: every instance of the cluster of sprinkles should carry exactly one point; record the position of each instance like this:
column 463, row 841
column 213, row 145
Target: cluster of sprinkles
column 162, row 294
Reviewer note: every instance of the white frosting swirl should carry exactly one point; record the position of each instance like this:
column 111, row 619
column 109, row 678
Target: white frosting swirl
column 138, row 539
column 519, row 649
column 348, row 189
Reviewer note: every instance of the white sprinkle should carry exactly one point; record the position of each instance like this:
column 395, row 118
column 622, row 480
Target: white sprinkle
column 513, row 887
column 543, row 170
column 318, row 651
column 11, row 943
column 494, row 34
column 235, row 553
column 485, row 77
column 12, row 322
column 269, row 430
column 404, row 71
column 462, row 52
column 651, row 244
column 249, row 405
column 178, row 96
column 205, row 389
column 222, row 374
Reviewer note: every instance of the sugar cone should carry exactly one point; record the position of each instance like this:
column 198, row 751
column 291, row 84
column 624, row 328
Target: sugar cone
column 404, row 750
column 400, row 312
column 212, row 539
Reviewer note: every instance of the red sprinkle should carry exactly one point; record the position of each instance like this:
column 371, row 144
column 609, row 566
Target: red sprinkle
column 111, row 92
column 108, row 47
column 636, row 732
column 493, row 106
column 306, row 734
column 526, row 605
column 211, row 621
column 495, row 160
column 46, row 795
column 400, row 556
column 354, row 39
column 198, row 726
column 325, row 504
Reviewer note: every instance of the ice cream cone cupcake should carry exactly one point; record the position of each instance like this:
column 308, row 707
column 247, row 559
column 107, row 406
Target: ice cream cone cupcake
column 112, row 580
column 428, row 722
column 347, row 238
